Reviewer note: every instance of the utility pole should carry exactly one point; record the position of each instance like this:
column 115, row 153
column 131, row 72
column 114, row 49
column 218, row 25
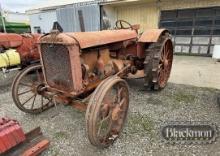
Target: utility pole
column 2, row 18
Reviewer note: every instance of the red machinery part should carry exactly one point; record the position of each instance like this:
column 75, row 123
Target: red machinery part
column 11, row 134
column 37, row 149
column 25, row 44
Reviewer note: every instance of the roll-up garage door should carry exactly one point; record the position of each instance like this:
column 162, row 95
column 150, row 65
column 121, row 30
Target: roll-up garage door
column 195, row 31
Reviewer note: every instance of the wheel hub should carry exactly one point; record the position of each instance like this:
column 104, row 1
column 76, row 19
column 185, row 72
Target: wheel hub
column 166, row 62
column 40, row 88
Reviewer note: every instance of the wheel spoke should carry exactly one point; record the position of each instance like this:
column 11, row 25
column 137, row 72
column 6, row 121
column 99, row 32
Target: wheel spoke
column 101, row 123
column 32, row 106
column 42, row 102
column 28, row 99
column 122, row 102
column 162, row 55
column 25, row 84
column 50, row 101
column 24, row 92
column 119, row 94
column 168, row 54
column 161, row 75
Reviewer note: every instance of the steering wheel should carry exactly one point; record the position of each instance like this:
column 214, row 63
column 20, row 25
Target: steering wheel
column 120, row 24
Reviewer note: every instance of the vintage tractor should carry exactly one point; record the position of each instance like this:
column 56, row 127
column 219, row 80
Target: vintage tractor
column 17, row 51
column 87, row 70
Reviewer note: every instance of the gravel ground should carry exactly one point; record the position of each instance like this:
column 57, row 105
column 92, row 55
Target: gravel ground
column 65, row 127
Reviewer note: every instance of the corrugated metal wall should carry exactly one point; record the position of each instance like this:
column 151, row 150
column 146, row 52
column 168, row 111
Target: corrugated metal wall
column 144, row 14
column 147, row 14
column 68, row 17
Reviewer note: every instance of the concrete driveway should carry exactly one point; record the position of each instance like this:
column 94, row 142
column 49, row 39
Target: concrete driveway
column 196, row 71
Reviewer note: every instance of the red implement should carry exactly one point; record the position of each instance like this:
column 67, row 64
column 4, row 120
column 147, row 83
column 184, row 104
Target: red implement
column 11, row 134
column 14, row 142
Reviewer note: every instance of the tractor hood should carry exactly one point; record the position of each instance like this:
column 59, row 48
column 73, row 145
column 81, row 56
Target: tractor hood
column 90, row 39
column 9, row 40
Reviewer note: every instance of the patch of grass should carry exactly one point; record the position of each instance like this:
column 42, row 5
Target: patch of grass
column 154, row 100
column 61, row 135
column 140, row 124
column 212, row 90
column 54, row 152
column 184, row 97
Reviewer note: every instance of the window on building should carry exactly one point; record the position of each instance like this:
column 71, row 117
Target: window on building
column 187, row 24
column 37, row 30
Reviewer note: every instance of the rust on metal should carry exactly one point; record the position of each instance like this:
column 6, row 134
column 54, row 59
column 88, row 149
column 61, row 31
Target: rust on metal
column 79, row 106
column 9, row 40
column 58, row 38
column 28, row 49
column 165, row 64
column 86, row 70
column 37, row 149
column 160, row 57
column 76, row 67
column 139, row 74
column 11, row 134
column 32, row 89
column 25, row 44
column 92, row 39
column 34, row 144
column 151, row 35
column 106, row 112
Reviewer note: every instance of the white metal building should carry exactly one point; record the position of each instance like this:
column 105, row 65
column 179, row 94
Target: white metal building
column 16, row 17
column 43, row 15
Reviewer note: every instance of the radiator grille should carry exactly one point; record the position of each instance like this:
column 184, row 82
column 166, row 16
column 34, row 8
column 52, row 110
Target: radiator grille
column 57, row 66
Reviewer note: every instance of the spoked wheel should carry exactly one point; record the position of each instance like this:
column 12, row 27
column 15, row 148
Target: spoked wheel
column 29, row 91
column 158, row 63
column 107, row 111
column 165, row 63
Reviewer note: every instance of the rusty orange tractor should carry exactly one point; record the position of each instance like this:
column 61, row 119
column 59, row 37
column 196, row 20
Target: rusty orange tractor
column 18, row 50
column 87, row 70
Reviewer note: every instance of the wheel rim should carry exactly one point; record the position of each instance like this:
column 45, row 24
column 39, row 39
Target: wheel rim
column 108, row 115
column 165, row 64
column 28, row 91
column 111, row 114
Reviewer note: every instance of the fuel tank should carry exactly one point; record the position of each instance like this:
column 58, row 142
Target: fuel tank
column 9, row 58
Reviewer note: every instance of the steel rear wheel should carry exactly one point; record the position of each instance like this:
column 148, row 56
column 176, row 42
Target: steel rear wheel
column 107, row 112
column 165, row 63
column 28, row 91
column 158, row 63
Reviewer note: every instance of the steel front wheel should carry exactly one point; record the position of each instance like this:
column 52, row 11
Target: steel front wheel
column 28, row 90
column 107, row 111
